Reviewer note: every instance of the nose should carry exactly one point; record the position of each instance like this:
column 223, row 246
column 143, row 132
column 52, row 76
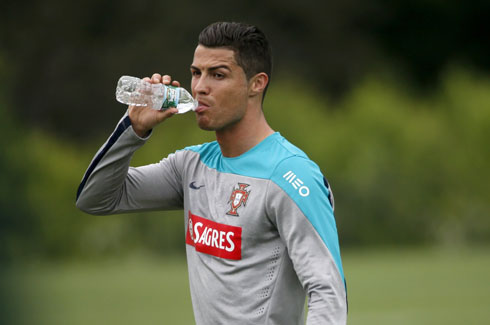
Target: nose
column 200, row 86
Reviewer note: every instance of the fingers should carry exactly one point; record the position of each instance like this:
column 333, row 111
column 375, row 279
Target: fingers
column 156, row 78
column 144, row 119
column 165, row 79
column 163, row 115
column 169, row 112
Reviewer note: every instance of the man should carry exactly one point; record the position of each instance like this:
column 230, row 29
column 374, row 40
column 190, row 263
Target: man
column 260, row 230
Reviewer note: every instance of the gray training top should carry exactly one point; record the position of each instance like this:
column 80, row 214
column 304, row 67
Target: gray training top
column 260, row 229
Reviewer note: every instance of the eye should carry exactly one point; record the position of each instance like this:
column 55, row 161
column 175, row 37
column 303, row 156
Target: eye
column 195, row 73
column 218, row 75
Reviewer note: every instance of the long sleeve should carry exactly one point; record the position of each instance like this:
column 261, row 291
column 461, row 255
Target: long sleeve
column 300, row 207
column 110, row 185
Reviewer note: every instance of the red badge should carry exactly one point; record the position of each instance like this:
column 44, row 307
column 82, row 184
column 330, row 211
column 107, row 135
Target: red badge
column 238, row 197
column 214, row 238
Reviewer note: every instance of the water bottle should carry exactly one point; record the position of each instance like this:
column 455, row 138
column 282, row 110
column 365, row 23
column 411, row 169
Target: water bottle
column 137, row 92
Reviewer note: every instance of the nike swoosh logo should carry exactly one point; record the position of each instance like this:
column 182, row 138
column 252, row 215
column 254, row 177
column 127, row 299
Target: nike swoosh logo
column 194, row 186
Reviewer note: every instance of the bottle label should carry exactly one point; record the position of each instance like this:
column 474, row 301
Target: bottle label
column 171, row 98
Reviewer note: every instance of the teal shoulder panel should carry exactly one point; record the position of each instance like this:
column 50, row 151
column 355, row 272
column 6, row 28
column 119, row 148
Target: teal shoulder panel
column 257, row 162
column 304, row 183
column 209, row 153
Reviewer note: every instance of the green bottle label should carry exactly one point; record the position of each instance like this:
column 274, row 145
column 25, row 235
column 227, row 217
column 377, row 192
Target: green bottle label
column 172, row 95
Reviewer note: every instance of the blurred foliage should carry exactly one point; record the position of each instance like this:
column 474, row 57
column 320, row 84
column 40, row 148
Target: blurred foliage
column 404, row 169
column 63, row 53
column 367, row 89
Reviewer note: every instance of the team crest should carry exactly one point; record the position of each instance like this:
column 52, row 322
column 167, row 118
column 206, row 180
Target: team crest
column 191, row 229
column 238, row 197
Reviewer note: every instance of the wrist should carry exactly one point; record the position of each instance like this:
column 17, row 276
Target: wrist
column 142, row 133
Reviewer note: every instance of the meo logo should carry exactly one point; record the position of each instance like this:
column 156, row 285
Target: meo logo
column 295, row 182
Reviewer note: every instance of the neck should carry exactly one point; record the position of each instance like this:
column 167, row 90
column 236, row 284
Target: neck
column 244, row 135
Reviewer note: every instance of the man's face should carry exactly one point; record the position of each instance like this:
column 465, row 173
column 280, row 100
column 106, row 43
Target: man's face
column 220, row 86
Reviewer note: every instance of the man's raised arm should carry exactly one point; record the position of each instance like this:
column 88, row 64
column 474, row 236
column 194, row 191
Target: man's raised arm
column 110, row 186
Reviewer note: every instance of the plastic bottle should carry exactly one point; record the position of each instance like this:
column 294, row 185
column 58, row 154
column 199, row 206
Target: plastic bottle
column 137, row 92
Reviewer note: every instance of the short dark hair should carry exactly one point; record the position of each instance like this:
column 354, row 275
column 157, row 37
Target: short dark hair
column 251, row 47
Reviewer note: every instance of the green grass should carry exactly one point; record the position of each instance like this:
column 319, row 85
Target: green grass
column 135, row 291
column 419, row 287
column 385, row 287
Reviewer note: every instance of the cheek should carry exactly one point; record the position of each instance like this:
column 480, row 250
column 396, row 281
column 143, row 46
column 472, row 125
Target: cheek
column 236, row 95
column 193, row 85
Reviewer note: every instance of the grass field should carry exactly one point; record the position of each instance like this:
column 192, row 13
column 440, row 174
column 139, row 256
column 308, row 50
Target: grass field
column 384, row 286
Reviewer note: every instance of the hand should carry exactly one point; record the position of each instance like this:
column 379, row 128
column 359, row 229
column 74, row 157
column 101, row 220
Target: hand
column 144, row 118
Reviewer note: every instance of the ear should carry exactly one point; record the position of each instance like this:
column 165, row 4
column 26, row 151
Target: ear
column 258, row 83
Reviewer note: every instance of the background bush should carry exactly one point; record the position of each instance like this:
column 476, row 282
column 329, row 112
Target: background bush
column 404, row 169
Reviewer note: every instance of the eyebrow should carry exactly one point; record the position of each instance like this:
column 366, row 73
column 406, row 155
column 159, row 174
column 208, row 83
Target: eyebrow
column 223, row 66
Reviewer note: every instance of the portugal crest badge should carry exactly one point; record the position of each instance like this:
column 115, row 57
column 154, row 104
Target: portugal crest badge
column 238, row 197
column 191, row 229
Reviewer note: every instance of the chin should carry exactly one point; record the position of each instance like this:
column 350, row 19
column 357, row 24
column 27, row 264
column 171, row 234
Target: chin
column 208, row 124
column 206, row 128
column 205, row 125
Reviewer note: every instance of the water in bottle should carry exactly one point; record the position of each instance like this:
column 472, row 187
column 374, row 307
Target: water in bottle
column 137, row 92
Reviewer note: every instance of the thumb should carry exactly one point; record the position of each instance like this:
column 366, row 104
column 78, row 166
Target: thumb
column 165, row 114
